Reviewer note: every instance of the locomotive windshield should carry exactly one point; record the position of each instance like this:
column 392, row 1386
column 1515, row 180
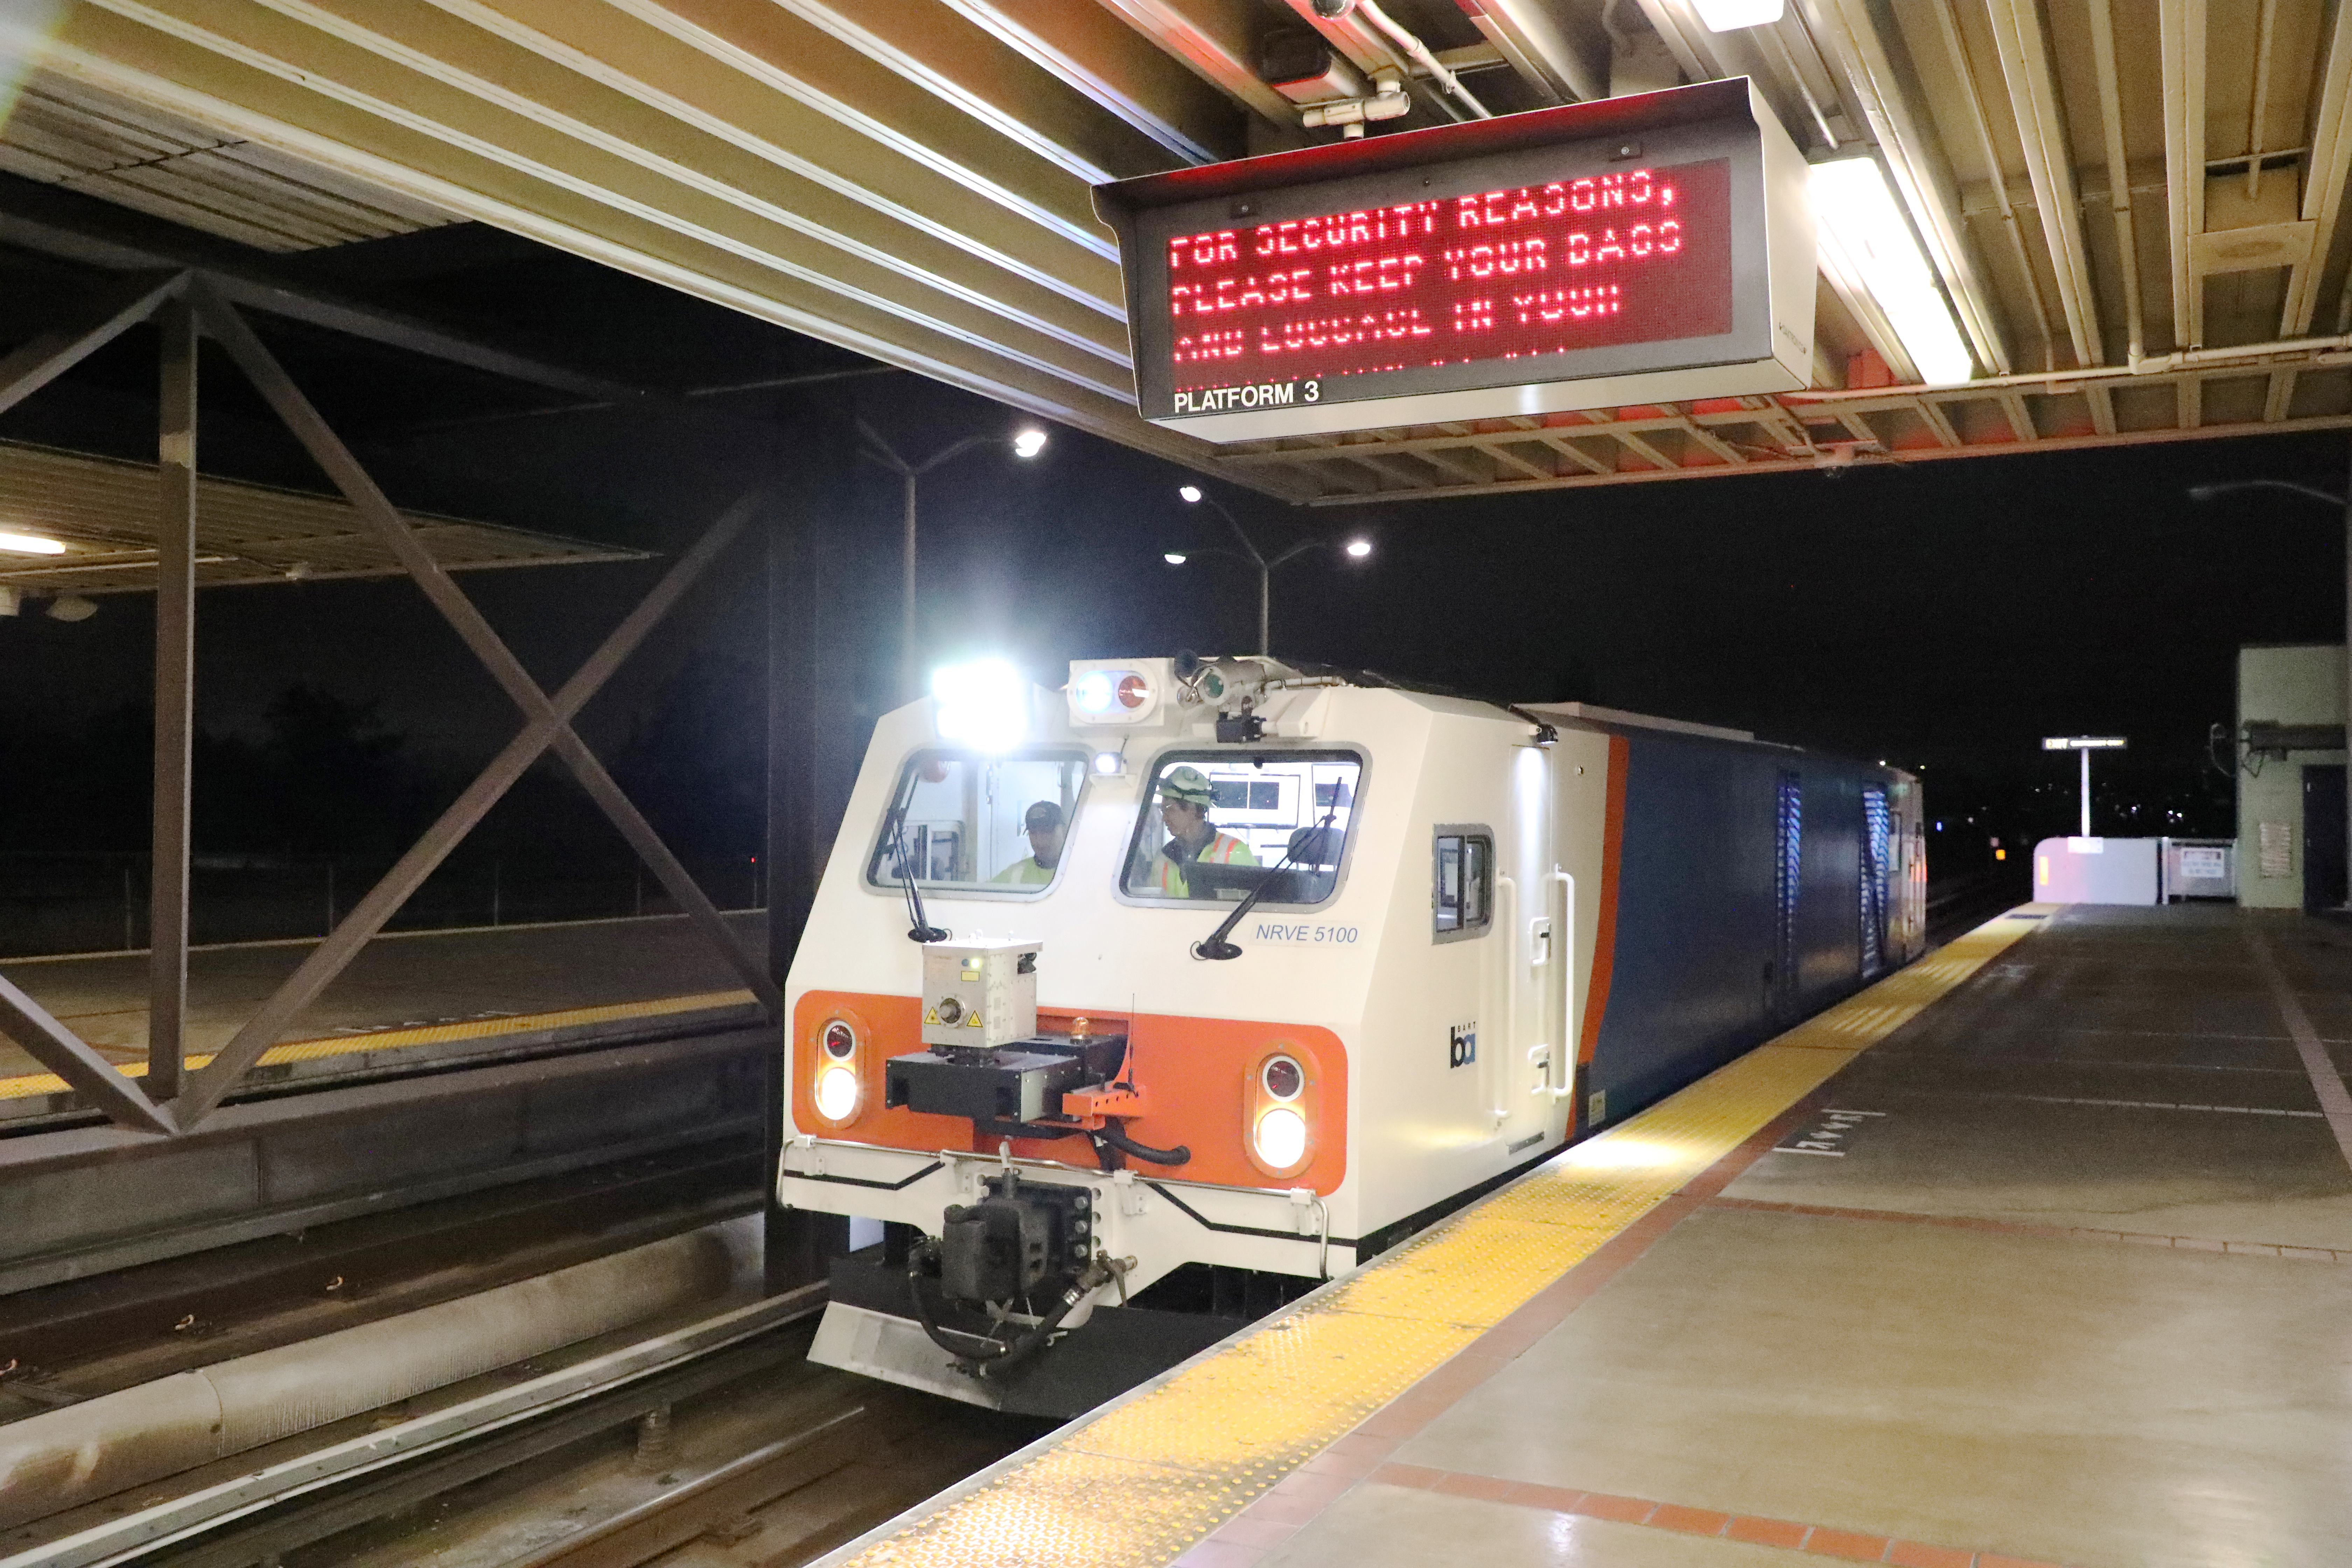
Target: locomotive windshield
column 971, row 824
column 1216, row 825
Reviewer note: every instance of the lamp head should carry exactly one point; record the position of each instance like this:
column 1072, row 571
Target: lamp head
column 1173, row 557
column 1192, row 493
column 1028, row 441
column 1358, row 548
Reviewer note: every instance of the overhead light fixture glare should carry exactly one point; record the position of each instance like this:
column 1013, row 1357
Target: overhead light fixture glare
column 1865, row 239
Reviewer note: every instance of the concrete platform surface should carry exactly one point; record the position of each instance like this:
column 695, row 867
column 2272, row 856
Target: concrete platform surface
column 2061, row 1272
column 401, row 982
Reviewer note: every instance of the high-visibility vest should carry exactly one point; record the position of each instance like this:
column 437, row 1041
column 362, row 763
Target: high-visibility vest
column 1225, row 849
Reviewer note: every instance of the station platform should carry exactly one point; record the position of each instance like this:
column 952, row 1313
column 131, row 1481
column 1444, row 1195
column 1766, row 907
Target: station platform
column 2031, row 1254
column 409, row 997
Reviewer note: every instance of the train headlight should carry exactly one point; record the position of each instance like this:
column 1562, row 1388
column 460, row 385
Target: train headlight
column 837, row 1088
column 984, row 704
column 1280, row 1137
column 837, row 1093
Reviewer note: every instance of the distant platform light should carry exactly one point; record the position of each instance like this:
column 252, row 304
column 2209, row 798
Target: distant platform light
column 1190, row 493
column 1173, row 557
column 1028, row 443
column 1359, row 548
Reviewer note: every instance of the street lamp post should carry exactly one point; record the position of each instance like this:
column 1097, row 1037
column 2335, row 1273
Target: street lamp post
column 2343, row 502
column 1356, row 548
column 1027, row 443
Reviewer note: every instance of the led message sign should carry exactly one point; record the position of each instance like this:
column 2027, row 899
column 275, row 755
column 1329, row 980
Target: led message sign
column 1558, row 259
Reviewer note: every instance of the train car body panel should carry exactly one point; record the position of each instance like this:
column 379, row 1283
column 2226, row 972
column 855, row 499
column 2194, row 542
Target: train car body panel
column 1477, row 932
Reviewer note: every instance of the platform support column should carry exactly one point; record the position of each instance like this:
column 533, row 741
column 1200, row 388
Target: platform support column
column 797, row 1243
column 175, row 648
column 2085, row 755
column 2347, row 690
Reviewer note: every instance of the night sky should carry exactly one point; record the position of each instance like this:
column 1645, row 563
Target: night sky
column 1943, row 615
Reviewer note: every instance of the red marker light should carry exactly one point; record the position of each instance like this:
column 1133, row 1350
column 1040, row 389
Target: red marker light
column 1133, row 693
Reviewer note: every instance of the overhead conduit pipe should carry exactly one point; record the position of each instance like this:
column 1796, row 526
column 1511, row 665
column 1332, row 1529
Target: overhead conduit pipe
column 67, row 1456
column 1412, row 47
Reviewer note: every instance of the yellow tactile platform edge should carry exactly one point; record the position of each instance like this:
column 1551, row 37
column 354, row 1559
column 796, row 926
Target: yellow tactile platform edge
column 30, row 1084
column 1136, row 1486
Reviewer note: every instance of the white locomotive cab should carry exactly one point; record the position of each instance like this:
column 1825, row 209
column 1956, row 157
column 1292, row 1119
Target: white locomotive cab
column 1272, row 965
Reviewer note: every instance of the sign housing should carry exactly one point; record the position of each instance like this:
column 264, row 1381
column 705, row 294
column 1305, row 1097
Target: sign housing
column 1649, row 248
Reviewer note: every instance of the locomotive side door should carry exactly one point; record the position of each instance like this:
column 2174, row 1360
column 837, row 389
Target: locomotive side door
column 1532, row 953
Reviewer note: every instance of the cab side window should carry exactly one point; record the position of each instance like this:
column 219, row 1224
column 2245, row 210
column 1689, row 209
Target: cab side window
column 1462, row 895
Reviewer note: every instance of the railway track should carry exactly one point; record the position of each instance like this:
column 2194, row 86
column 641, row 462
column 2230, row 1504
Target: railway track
column 716, row 1445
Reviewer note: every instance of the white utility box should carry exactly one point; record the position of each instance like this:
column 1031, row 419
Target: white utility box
column 980, row 993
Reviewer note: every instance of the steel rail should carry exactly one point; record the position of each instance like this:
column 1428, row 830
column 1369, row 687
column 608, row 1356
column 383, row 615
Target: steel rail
column 185, row 1519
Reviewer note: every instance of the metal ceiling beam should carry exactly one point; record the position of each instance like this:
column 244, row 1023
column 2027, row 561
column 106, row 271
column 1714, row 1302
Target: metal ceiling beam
column 2049, row 165
column 2119, row 192
column 903, row 146
column 2326, row 167
column 142, row 63
column 1217, row 39
column 78, row 228
column 943, row 53
column 1539, row 42
column 390, row 80
column 2182, row 31
column 1172, row 98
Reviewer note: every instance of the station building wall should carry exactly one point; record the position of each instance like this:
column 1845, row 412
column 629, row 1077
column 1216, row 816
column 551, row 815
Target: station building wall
column 2294, row 684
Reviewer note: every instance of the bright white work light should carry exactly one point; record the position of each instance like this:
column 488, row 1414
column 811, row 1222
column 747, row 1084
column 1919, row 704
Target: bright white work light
column 1095, row 692
column 1730, row 15
column 1281, row 1138
column 1192, row 493
column 1865, row 239
column 1029, row 442
column 30, row 544
column 1358, row 548
column 837, row 1093
column 984, row 704
column 1109, row 764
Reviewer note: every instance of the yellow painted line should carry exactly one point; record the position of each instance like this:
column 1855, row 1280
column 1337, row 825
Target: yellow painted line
column 31, row 1084
column 1138, row 1485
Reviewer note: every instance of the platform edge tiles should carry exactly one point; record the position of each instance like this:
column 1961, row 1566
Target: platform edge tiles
column 363, row 1042
column 1139, row 1482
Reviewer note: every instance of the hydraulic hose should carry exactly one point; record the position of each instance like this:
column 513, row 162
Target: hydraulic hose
column 1120, row 1141
column 1000, row 1356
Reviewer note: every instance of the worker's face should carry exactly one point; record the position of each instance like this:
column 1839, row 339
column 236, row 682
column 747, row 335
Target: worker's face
column 1184, row 819
column 1046, row 842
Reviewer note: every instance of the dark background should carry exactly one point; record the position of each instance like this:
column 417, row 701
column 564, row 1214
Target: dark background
column 1941, row 615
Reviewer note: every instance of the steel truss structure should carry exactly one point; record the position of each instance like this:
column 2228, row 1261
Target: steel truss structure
column 171, row 1101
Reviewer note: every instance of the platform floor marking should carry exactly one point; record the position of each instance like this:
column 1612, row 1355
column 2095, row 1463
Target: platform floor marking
column 1137, row 1484
column 30, row 1084
column 2043, row 1231
column 1815, row 1539
column 2335, row 1101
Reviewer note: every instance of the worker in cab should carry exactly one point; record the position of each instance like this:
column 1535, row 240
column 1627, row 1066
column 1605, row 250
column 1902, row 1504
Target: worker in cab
column 1192, row 839
column 1047, row 832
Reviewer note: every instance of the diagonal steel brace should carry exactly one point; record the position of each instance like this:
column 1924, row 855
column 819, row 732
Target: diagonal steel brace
column 64, row 1053
column 548, row 724
column 33, row 365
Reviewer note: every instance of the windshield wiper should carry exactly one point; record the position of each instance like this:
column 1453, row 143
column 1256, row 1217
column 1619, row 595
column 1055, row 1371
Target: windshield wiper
column 1216, row 946
column 894, row 833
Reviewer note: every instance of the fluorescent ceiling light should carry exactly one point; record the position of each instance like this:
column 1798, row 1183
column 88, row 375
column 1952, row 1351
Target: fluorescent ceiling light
column 1864, row 238
column 1730, row 15
column 30, row 544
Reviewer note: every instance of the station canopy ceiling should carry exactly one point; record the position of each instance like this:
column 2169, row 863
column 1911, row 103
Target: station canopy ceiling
column 2133, row 208
column 103, row 512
